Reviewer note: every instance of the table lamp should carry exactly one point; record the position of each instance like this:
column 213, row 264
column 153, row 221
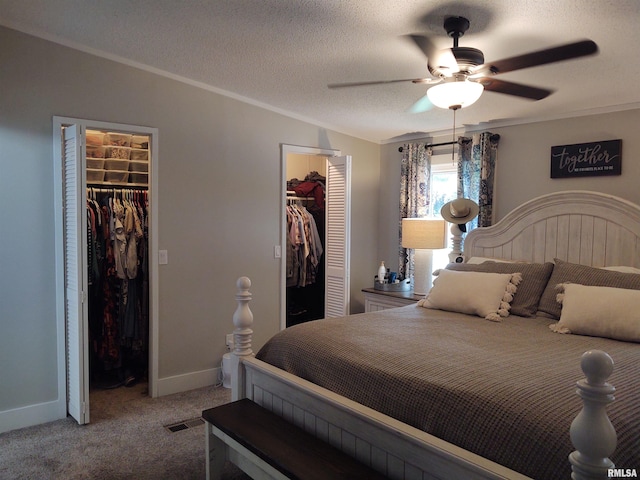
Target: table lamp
column 423, row 235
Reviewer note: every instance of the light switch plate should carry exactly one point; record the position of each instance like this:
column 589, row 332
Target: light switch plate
column 163, row 257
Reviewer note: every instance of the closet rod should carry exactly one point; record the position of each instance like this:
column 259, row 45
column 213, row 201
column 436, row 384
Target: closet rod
column 115, row 187
column 432, row 145
column 301, row 198
column 118, row 190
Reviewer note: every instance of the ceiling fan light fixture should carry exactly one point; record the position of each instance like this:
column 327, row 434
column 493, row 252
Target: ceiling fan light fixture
column 455, row 94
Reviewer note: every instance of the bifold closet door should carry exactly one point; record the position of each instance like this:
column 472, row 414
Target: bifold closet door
column 75, row 253
column 338, row 236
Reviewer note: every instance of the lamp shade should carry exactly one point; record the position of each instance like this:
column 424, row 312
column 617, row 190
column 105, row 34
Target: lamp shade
column 455, row 94
column 422, row 233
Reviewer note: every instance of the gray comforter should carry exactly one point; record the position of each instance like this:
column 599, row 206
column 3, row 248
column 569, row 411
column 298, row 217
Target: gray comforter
column 505, row 391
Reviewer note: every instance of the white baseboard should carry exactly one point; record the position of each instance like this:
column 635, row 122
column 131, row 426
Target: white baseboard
column 55, row 410
column 188, row 381
column 32, row 415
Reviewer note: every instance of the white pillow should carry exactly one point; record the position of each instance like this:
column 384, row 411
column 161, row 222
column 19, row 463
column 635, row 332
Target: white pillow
column 599, row 312
column 622, row 269
column 479, row 260
column 475, row 293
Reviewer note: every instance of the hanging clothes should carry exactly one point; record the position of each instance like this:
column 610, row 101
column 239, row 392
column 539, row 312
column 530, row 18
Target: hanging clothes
column 304, row 247
column 305, row 267
column 118, row 281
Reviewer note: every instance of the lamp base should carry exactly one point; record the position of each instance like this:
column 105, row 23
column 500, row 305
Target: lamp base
column 422, row 273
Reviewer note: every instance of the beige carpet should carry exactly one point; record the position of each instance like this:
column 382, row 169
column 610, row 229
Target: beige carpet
column 126, row 439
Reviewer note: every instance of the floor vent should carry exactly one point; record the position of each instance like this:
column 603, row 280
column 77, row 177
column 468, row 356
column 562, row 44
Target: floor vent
column 185, row 424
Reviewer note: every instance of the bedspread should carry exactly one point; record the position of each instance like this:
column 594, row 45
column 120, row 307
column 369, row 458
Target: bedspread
column 505, row 391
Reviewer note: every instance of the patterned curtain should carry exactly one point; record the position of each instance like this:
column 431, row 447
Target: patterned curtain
column 415, row 176
column 476, row 174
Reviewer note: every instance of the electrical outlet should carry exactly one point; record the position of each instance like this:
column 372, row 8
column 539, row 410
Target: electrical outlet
column 229, row 340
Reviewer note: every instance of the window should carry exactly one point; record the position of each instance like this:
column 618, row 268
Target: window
column 443, row 189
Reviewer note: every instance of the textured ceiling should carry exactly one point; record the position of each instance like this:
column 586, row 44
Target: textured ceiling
column 281, row 54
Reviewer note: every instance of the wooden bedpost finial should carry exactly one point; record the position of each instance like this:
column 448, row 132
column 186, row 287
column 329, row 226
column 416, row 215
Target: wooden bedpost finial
column 243, row 319
column 592, row 433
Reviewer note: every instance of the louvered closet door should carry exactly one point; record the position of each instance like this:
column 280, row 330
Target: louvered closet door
column 76, row 309
column 338, row 236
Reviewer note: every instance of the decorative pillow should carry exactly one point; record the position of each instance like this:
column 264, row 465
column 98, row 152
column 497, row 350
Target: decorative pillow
column 535, row 277
column 565, row 272
column 479, row 260
column 599, row 312
column 623, row 269
column 475, row 293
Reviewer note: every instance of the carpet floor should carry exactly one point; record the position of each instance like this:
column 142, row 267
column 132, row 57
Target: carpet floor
column 127, row 438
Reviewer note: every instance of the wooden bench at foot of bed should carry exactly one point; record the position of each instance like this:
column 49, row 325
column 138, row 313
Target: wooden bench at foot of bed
column 265, row 445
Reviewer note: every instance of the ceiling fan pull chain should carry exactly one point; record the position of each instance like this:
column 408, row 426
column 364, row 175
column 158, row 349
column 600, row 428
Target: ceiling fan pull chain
column 453, row 138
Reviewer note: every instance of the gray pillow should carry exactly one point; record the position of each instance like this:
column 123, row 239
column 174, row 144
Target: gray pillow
column 535, row 277
column 564, row 272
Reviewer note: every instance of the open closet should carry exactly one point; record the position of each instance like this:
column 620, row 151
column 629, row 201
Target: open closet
column 315, row 234
column 105, row 238
column 117, row 260
column 305, row 239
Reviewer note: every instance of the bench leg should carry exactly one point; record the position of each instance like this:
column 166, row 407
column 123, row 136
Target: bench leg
column 216, row 452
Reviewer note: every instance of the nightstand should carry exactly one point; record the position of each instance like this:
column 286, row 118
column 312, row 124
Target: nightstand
column 375, row 300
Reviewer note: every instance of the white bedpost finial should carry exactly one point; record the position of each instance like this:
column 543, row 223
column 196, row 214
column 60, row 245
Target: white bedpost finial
column 243, row 319
column 592, row 433
column 456, row 243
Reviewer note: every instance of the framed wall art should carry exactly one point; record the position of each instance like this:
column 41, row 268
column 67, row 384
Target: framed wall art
column 587, row 159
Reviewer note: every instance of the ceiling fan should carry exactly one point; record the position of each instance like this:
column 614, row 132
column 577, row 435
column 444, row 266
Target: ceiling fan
column 460, row 74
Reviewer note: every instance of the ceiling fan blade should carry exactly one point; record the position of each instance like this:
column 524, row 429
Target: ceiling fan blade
column 377, row 82
column 541, row 57
column 516, row 89
column 422, row 105
column 439, row 59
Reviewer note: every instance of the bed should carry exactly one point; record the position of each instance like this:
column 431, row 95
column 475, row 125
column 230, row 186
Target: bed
column 445, row 392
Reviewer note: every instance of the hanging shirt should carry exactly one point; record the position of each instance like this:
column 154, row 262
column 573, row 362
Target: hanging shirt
column 120, row 239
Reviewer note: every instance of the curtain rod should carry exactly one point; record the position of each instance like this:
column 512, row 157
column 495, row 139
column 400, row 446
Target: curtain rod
column 432, row 145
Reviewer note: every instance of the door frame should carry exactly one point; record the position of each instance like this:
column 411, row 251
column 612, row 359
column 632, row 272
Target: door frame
column 286, row 150
column 58, row 123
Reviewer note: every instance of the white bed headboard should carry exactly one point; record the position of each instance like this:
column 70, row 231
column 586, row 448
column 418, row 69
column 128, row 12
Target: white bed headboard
column 577, row 226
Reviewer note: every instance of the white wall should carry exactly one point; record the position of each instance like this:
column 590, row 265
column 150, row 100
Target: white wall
column 523, row 166
column 219, row 207
column 524, row 157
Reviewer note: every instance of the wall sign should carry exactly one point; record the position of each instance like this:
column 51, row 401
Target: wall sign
column 586, row 159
